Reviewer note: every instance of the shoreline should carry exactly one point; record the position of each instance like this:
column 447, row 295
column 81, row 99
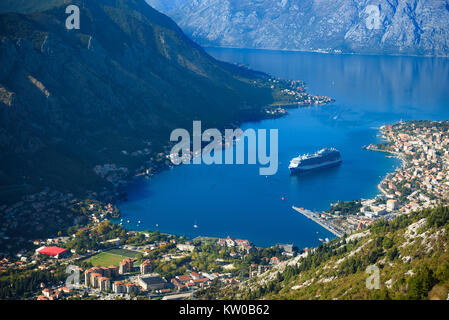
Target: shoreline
column 333, row 52
column 329, row 225
column 396, row 155
column 418, row 183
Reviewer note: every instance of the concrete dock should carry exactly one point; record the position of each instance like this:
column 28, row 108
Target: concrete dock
column 315, row 217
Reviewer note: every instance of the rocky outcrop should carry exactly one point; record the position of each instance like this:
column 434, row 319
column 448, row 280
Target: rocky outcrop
column 404, row 27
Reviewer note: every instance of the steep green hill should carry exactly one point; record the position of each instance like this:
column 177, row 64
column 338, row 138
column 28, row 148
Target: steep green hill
column 25, row 6
column 70, row 100
column 411, row 253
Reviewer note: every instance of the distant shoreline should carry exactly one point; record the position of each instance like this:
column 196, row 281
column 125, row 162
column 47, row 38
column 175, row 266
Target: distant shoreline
column 329, row 52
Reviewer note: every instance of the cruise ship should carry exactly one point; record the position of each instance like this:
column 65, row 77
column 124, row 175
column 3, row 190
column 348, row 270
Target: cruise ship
column 324, row 158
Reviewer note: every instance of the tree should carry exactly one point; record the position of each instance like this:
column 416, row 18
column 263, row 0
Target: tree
column 393, row 253
column 442, row 272
column 421, row 283
column 139, row 257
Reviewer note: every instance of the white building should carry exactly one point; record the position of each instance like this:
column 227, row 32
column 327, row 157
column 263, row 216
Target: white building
column 392, row 205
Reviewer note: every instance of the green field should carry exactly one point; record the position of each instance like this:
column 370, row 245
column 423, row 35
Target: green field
column 111, row 258
column 123, row 252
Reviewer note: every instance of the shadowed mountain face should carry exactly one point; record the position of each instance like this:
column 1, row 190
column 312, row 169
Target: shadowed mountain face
column 409, row 27
column 24, row 6
column 72, row 99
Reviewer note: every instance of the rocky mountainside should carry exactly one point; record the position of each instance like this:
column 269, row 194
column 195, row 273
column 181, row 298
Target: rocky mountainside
column 410, row 254
column 70, row 100
column 405, row 27
column 24, row 6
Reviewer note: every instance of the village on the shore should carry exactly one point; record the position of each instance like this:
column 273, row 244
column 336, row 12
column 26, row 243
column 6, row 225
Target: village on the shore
column 421, row 181
column 107, row 262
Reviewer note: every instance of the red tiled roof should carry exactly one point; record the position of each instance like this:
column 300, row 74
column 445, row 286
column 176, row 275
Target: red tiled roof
column 126, row 261
column 51, row 251
column 184, row 277
column 201, row 280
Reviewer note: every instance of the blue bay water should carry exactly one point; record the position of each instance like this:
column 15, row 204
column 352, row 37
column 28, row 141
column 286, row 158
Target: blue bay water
column 235, row 200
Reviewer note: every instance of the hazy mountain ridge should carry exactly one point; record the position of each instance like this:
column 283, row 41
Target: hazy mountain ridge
column 405, row 27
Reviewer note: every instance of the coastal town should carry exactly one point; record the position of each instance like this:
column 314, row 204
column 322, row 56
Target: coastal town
column 293, row 94
column 111, row 262
column 421, row 181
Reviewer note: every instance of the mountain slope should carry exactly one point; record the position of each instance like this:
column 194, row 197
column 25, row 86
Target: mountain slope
column 70, row 100
column 409, row 27
column 410, row 251
column 24, row 6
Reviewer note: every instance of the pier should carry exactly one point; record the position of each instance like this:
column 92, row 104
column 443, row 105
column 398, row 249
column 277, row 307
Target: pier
column 315, row 217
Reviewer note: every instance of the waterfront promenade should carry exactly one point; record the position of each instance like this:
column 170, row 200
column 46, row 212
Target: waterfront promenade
column 315, row 217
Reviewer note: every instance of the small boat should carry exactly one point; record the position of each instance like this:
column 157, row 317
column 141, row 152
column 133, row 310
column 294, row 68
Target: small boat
column 195, row 226
column 321, row 240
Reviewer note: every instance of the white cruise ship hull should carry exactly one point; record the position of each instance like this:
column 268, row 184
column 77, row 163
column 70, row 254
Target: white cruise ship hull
column 304, row 168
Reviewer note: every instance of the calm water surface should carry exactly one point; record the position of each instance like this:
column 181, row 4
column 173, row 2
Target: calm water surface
column 234, row 200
